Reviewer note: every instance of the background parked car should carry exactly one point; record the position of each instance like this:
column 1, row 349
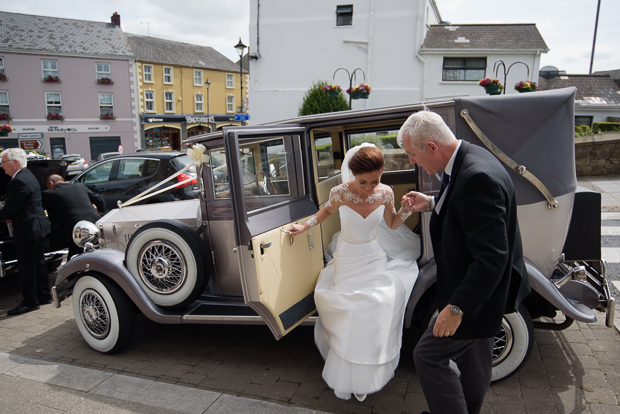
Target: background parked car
column 105, row 155
column 76, row 164
column 125, row 176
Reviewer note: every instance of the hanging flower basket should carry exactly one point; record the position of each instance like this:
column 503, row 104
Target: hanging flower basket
column 54, row 117
column 3, row 77
column 492, row 86
column 526, row 86
column 105, row 81
column 332, row 90
column 360, row 91
column 51, row 79
column 5, row 129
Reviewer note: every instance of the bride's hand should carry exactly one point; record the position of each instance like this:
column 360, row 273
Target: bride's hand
column 296, row 229
column 415, row 201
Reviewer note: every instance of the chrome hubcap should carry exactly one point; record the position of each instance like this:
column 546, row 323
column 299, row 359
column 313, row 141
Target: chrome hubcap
column 162, row 267
column 95, row 314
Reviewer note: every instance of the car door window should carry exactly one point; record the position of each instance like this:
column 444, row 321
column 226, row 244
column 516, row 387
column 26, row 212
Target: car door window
column 100, row 173
column 136, row 168
column 396, row 158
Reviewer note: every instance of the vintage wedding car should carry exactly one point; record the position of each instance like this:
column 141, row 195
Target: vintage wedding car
column 227, row 258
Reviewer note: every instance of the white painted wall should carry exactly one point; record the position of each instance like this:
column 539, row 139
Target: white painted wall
column 299, row 43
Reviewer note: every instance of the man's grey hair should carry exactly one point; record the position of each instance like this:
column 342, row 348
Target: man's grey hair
column 16, row 154
column 422, row 127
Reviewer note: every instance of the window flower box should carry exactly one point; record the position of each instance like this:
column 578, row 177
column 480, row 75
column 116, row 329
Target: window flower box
column 105, row 81
column 5, row 129
column 3, row 77
column 51, row 79
column 55, row 117
column 107, row 117
column 5, row 117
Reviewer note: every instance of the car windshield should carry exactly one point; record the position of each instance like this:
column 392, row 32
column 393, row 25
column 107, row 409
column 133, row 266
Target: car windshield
column 182, row 162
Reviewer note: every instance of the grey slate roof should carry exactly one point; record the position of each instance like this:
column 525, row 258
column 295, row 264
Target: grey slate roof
column 25, row 32
column 615, row 74
column 154, row 50
column 484, row 36
column 593, row 91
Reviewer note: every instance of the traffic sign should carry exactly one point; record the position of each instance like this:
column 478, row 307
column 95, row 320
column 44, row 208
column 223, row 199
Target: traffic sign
column 242, row 117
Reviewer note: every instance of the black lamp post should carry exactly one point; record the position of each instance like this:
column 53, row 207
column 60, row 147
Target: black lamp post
column 208, row 84
column 240, row 48
column 351, row 76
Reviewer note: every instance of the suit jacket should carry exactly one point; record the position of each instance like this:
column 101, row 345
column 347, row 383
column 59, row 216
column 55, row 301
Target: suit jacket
column 66, row 204
column 477, row 244
column 23, row 206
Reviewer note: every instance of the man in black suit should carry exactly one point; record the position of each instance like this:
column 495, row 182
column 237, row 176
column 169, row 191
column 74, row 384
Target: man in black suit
column 30, row 226
column 480, row 269
column 66, row 204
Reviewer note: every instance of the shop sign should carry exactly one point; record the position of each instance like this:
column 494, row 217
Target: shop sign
column 200, row 119
column 53, row 128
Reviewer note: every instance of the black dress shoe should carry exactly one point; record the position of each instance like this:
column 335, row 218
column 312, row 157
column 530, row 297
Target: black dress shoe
column 22, row 309
column 45, row 301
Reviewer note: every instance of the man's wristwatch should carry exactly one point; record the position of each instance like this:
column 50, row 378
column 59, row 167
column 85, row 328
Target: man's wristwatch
column 456, row 310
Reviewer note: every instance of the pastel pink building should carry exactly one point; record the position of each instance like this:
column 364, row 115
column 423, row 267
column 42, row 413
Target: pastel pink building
column 69, row 86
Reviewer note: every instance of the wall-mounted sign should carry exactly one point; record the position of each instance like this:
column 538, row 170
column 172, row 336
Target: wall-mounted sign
column 31, row 144
column 30, row 136
column 60, row 128
column 200, row 119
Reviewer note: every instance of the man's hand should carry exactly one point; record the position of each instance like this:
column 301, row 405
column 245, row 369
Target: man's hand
column 447, row 323
column 415, row 201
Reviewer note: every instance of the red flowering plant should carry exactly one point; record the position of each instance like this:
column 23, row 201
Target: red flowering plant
column 330, row 87
column 51, row 79
column 107, row 117
column 526, row 86
column 490, row 82
column 361, row 88
column 5, row 117
column 54, row 117
column 3, row 77
column 5, row 129
column 105, row 81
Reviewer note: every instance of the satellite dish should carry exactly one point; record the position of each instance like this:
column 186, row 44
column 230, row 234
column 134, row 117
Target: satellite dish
column 549, row 72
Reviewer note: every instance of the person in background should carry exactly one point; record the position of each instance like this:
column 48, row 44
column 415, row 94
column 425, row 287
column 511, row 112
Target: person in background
column 481, row 273
column 66, row 204
column 23, row 206
column 120, row 148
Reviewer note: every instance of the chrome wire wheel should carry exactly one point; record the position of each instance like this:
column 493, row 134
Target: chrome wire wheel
column 162, row 267
column 94, row 314
column 503, row 343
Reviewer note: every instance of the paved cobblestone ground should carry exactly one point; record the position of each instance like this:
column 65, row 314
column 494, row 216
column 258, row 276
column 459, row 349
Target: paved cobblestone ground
column 571, row 371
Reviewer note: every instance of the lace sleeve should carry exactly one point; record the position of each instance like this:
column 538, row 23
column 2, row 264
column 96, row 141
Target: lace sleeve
column 335, row 196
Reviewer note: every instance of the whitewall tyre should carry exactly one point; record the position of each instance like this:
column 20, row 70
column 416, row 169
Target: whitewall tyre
column 513, row 344
column 103, row 313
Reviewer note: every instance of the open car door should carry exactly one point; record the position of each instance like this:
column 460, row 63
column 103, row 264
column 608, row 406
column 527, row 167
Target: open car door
column 269, row 173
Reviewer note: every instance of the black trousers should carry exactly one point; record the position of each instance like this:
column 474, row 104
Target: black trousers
column 32, row 272
column 444, row 390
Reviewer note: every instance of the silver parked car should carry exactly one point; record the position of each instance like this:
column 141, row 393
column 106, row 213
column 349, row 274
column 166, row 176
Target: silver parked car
column 224, row 258
column 76, row 164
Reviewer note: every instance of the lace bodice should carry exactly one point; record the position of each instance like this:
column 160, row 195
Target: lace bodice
column 356, row 229
column 342, row 193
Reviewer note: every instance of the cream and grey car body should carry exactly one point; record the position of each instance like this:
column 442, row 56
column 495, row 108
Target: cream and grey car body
column 227, row 258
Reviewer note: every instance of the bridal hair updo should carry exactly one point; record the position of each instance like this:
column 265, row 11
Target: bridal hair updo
column 365, row 160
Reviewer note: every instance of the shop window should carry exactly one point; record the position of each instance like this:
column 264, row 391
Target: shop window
column 160, row 137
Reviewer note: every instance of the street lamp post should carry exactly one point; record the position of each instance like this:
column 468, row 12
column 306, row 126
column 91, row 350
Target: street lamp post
column 240, row 48
column 208, row 84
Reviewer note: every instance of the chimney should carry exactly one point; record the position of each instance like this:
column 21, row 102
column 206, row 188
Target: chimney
column 116, row 19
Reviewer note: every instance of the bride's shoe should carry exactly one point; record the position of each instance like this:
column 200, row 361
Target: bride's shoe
column 360, row 397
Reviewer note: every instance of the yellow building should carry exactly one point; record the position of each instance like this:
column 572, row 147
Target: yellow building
column 175, row 99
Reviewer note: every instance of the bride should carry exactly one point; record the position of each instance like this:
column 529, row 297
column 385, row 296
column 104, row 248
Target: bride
column 362, row 293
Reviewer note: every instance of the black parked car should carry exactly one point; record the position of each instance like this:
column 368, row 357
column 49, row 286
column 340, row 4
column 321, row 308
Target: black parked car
column 122, row 177
column 41, row 168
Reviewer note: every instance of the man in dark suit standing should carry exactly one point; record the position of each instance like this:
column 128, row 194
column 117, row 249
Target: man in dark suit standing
column 30, row 226
column 66, row 204
column 480, row 269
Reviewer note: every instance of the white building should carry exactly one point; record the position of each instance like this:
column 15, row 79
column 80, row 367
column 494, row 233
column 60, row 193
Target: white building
column 295, row 43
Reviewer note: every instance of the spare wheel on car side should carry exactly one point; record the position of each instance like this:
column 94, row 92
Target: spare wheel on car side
column 166, row 257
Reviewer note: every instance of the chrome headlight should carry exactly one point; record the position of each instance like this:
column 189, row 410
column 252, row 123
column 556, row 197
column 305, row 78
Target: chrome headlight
column 85, row 232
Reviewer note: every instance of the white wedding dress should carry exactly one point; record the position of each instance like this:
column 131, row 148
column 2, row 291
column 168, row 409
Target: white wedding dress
column 361, row 297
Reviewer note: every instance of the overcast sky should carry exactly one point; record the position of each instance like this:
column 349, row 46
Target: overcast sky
column 567, row 26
